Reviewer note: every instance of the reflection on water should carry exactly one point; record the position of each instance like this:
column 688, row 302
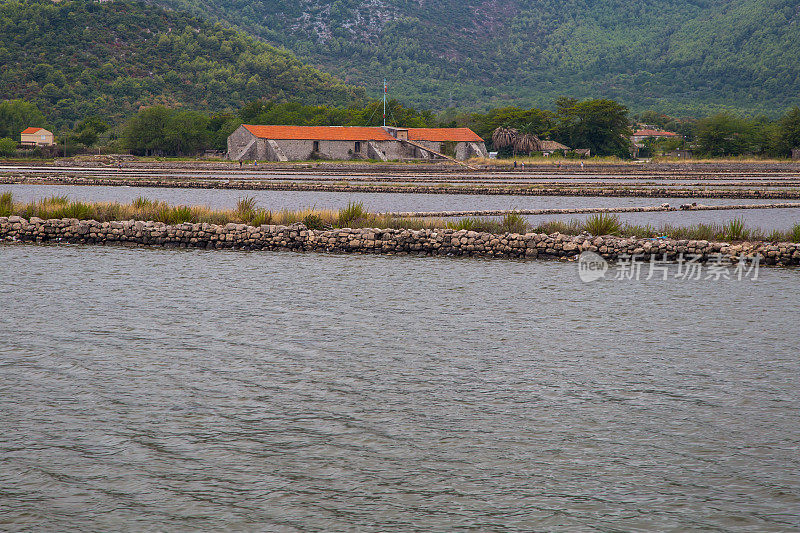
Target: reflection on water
column 173, row 390
column 767, row 219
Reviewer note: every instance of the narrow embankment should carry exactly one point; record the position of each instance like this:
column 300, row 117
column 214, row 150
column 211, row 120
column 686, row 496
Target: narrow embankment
column 587, row 210
column 445, row 242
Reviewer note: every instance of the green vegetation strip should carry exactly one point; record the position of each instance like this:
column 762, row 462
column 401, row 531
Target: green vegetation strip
column 354, row 215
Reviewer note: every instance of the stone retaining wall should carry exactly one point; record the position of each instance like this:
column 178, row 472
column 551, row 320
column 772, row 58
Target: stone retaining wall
column 379, row 241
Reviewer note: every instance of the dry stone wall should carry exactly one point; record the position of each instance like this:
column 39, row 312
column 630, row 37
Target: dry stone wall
column 380, row 241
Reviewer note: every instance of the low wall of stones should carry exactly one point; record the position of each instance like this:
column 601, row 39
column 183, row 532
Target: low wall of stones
column 380, row 241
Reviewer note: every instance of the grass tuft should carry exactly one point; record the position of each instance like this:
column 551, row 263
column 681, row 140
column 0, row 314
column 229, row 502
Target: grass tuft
column 794, row 233
column 6, row 204
column 513, row 223
column 245, row 204
column 353, row 212
column 141, row 202
column 603, row 224
column 735, row 230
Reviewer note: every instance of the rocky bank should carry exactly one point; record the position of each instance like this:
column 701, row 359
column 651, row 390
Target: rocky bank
column 381, row 241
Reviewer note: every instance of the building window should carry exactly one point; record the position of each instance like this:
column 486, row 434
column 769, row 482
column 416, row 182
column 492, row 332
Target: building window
column 358, row 146
column 316, row 146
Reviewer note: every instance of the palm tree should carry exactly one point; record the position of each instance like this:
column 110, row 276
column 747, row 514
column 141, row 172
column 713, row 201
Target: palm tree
column 527, row 143
column 504, row 137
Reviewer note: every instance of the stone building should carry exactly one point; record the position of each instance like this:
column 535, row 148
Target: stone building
column 36, row 137
column 639, row 136
column 294, row 143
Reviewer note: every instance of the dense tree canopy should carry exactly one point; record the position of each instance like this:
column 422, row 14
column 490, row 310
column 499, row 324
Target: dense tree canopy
column 16, row 115
column 787, row 132
column 161, row 131
column 267, row 112
column 79, row 58
column 601, row 125
column 598, row 124
column 695, row 58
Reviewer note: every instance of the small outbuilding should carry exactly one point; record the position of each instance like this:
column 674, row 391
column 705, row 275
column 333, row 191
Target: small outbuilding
column 458, row 143
column 550, row 147
column 36, row 137
column 297, row 143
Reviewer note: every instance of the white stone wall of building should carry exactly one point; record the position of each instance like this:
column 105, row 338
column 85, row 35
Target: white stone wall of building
column 242, row 144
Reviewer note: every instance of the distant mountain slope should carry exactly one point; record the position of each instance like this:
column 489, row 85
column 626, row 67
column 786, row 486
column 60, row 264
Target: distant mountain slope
column 684, row 56
column 77, row 58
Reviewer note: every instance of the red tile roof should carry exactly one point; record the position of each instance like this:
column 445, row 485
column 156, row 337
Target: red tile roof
column 356, row 133
column 654, row 133
column 443, row 135
column 320, row 133
column 28, row 131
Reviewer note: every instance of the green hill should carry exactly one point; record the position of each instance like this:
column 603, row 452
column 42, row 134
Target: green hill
column 678, row 56
column 78, row 58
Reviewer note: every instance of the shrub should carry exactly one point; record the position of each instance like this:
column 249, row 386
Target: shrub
column 313, row 221
column 603, row 224
column 8, row 147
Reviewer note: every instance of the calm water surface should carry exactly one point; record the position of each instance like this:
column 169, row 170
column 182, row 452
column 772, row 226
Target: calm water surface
column 766, row 219
column 180, row 390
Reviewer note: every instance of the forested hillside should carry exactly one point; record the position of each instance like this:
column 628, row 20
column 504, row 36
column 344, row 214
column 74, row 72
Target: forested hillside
column 680, row 56
column 79, row 58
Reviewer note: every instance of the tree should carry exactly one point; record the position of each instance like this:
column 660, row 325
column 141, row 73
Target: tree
column 144, row 133
column 16, row 115
column 87, row 131
column 533, row 120
column 601, row 125
column 186, row 133
column 161, row 131
column 8, row 147
column 527, row 143
column 722, row 135
column 787, row 132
